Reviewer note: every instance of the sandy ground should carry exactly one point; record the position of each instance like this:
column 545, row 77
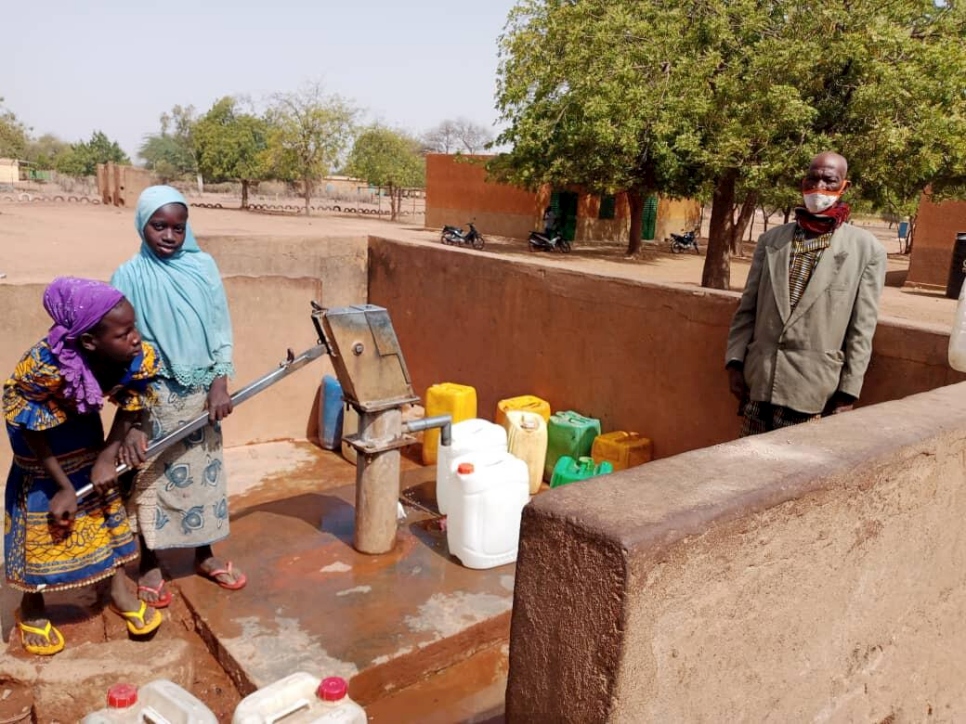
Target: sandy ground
column 39, row 241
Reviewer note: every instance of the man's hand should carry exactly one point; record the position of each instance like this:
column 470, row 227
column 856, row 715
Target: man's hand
column 840, row 402
column 219, row 401
column 737, row 384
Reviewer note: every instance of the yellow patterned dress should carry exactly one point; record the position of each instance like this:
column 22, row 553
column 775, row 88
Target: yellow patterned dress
column 45, row 557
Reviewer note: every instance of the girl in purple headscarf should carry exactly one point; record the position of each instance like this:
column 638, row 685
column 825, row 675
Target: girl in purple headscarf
column 51, row 405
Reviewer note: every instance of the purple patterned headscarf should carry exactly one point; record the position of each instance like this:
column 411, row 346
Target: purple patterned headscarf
column 76, row 306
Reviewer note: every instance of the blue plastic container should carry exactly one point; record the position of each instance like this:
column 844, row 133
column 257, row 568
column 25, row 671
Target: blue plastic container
column 330, row 413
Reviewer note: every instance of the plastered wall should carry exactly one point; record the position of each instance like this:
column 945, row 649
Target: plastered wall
column 817, row 573
column 936, row 227
column 641, row 357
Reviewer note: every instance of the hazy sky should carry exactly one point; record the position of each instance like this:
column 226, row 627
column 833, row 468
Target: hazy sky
column 117, row 65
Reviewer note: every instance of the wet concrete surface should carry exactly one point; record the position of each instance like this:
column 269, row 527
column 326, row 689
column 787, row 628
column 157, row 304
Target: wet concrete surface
column 419, row 637
column 314, row 604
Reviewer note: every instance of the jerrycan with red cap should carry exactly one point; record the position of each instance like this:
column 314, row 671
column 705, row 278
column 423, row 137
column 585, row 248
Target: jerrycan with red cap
column 483, row 523
column 159, row 702
column 301, row 698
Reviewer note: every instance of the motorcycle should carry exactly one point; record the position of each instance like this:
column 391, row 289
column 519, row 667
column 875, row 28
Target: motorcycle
column 548, row 242
column 684, row 242
column 455, row 236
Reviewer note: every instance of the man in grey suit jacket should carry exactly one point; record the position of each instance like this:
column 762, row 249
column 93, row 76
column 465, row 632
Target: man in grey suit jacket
column 801, row 339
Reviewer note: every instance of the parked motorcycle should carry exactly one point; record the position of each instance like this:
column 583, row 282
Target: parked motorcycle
column 455, row 236
column 687, row 241
column 548, row 242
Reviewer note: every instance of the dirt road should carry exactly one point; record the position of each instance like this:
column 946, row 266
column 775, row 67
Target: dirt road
column 40, row 241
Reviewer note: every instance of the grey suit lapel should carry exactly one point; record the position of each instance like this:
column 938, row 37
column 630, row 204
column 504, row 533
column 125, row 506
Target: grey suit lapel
column 779, row 255
column 825, row 272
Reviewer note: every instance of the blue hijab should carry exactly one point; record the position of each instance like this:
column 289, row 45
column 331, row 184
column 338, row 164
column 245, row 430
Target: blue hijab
column 180, row 301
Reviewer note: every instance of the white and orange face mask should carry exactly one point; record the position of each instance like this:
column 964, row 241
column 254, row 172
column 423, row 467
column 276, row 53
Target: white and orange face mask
column 819, row 200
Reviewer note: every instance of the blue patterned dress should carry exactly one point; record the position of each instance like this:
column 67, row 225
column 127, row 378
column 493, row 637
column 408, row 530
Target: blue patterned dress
column 180, row 498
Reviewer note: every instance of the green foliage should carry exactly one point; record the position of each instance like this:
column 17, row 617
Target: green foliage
column 83, row 157
column 310, row 134
column 230, row 145
column 13, row 134
column 171, row 152
column 729, row 99
column 389, row 158
column 46, row 151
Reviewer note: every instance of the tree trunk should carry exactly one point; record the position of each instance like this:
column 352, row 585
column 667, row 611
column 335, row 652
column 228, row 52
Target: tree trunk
column 393, row 203
column 244, row 203
column 717, row 261
column 635, row 199
column 307, row 192
column 788, row 213
column 201, row 185
column 745, row 215
column 910, row 235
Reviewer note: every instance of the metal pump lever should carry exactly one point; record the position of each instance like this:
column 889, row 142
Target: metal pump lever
column 290, row 365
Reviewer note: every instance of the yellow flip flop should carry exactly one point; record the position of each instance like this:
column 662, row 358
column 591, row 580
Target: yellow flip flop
column 48, row 649
column 130, row 617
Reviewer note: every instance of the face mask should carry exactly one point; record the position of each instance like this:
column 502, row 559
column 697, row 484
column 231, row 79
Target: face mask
column 818, row 201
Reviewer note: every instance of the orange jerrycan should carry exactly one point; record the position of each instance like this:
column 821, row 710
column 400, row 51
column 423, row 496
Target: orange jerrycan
column 621, row 449
column 446, row 398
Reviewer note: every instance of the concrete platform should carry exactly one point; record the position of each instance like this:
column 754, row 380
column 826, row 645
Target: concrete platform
column 314, row 604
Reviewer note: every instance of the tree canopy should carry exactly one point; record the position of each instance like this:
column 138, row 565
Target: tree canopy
column 458, row 135
column 310, row 135
column 230, row 145
column 384, row 157
column 727, row 99
column 83, row 157
column 13, row 134
column 171, row 153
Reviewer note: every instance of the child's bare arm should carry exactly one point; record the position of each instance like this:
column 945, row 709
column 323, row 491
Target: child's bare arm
column 126, row 443
column 63, row 506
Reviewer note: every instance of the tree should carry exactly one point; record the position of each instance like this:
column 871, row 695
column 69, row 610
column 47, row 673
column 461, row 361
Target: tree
column 83, row 157
column 13, row 134
column 310, row 135
column 231, row 145
column 46, row 151
column 170, row 153
column 726, row 99
column 389, row 158
column 461, row 134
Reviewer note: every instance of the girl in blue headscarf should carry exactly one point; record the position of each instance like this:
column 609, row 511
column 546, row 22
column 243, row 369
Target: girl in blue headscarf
column 180, row 498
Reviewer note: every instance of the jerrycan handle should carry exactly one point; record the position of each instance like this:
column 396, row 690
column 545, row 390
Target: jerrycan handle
column 296, row 706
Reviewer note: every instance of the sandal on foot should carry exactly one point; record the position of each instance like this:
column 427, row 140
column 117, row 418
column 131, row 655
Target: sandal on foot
column 164, row 596
column 213, row 576
column 130, row 617
column 48, row 649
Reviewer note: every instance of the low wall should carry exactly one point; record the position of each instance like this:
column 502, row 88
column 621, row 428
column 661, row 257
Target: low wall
column 816, row 573
column 270, row 282
column 640, row 356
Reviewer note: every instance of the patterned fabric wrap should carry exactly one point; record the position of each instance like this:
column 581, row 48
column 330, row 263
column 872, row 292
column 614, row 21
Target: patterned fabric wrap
column 39, row 555
column 180, row 498
column 806, row 254
column 35, row 395
column 760, row 417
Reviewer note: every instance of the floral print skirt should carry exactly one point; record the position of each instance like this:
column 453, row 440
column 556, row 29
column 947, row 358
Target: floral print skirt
column 180, row 498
